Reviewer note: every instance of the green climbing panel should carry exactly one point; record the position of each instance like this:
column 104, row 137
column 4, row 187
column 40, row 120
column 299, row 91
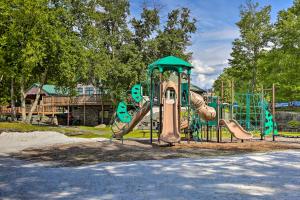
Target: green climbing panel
column 136, row 93
column 184, row 94
column 247, row 110
column 213, row 104
column 122, row 112
column 269, row 123
column 195, row 127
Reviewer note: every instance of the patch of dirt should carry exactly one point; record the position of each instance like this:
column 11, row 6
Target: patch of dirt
column 105, row 151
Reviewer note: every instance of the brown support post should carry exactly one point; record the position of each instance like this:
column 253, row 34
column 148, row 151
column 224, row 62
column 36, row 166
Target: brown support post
column 262, row 115
column 102, row 109
column 43, row 107
column 273, row 108
column 151, row 109
column 207, row 131
column 218, row 119
column 68, row 120
column 232, row 104
column 52, row 102
column 84, row 110
column 179, row 102
column 160, row 104
column 232, row 98
column 189, row 105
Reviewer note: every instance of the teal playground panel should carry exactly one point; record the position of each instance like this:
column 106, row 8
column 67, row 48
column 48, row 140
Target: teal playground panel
column 184, row 94
column 136, row 93
column 122, row 112
column 213, row 103
column 269, row 123
column 253, row 113
column 247, row 110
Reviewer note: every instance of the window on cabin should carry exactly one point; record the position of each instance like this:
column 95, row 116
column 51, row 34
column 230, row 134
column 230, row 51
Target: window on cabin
column 80, row 91
column 98, row 91
column 89, row 91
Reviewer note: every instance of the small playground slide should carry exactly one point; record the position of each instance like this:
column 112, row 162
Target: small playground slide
column 124, row 128
column 236, row 129
column 170, row 132
column 205, row 111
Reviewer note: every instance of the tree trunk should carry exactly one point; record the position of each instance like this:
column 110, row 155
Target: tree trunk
column 35, row 103
column 102, row 106
column 23, row 97
column 12, row 99
column 37, row 97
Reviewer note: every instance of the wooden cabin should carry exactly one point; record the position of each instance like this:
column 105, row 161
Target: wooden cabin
column 89, row 107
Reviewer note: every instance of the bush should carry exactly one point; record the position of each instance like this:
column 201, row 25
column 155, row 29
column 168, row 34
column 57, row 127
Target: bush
column 294, row 123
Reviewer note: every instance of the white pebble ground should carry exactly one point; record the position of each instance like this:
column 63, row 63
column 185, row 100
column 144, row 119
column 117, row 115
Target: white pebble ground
column 13, row 142
column 273, row 175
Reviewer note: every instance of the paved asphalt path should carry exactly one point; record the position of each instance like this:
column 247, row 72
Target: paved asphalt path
column 274, row 175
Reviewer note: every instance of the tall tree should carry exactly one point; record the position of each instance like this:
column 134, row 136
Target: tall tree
column 176, row 35
column 281, row 65
column 255, row 36
column 40, row 46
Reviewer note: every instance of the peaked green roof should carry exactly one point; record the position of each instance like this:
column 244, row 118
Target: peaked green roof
column 50, row 89
column 170, row 63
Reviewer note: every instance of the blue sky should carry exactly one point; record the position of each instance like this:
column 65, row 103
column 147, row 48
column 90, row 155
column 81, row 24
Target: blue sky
column 211, row 44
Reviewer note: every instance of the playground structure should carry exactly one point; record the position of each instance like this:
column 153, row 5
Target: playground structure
column 245, row 112
column 181, row 110
column 168, row 96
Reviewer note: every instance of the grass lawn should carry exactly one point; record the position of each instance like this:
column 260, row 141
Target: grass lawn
column 94, row 132
column 82, row 131
column 290, row 134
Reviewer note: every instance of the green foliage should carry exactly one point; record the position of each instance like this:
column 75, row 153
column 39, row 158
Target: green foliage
column 283, row 61
column 255, row 34
column 65, row 42
column 266, row 53
column 294, row 123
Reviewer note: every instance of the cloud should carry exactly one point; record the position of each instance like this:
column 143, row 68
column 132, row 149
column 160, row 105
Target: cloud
column 227, row 33
column 204, row 75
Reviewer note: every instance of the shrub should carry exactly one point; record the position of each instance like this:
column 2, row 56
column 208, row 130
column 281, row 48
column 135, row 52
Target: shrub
column 294, row 123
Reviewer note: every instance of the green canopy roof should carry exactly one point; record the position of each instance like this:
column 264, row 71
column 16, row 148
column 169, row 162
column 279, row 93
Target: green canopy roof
column 51, row 90
column 170, row 63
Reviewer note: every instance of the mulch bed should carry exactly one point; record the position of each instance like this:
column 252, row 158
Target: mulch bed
column 96, row 152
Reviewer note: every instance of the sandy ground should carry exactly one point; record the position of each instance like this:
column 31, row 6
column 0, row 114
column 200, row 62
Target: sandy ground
column 133, row 150
column 12, row 142
column 273, row 175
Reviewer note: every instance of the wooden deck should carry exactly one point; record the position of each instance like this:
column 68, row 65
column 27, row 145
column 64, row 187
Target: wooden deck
column 56, row 105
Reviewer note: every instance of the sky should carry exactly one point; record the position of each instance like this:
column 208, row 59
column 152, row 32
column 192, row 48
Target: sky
column 216, row 29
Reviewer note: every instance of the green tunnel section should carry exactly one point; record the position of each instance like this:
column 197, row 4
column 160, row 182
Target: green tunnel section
column 136, row 93
column 122, row 112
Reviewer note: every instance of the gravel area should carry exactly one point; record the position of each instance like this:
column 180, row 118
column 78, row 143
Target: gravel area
column 273, row 175
column 12, row 142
